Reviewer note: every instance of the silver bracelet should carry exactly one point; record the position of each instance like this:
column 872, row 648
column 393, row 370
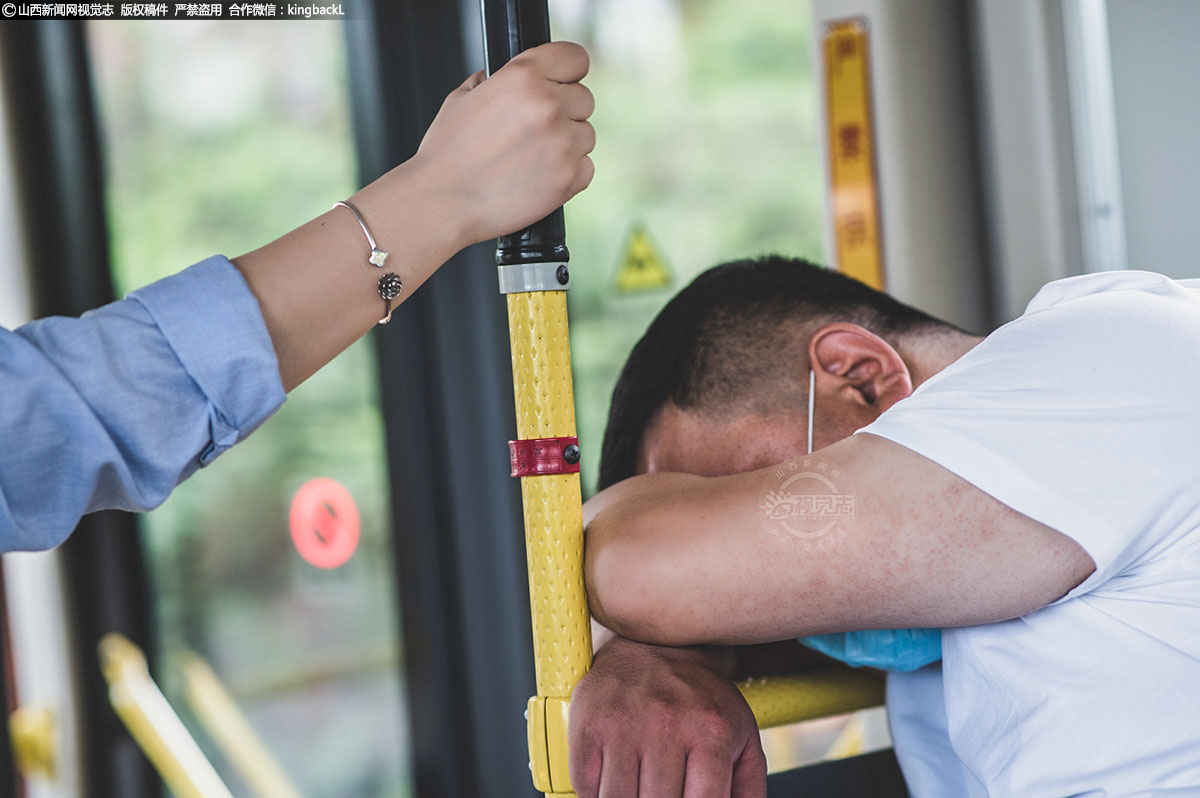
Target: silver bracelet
column 389, row 284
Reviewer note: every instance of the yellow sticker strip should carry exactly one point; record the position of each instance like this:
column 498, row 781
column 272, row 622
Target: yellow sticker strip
column 852, row 152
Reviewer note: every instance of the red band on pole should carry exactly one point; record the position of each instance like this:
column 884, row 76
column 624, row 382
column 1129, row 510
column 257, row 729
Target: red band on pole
column 544, row 456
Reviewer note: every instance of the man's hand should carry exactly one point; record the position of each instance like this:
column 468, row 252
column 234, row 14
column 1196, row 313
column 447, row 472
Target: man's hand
column 653, row 722
column 508, row 150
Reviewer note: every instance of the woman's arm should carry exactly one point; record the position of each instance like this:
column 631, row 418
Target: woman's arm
column 501, row 154
column 113, row 409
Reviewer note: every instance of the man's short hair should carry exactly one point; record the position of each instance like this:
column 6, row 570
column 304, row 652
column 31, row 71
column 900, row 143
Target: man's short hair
column 736, row 340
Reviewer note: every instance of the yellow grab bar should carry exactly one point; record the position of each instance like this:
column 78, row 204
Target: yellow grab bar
column 783, row 700
column 153, row 723
column 229, row 729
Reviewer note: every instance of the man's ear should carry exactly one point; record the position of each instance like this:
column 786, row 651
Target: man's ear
column 863, row 366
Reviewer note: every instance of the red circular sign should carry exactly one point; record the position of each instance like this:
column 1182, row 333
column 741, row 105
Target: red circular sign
column 324, row 523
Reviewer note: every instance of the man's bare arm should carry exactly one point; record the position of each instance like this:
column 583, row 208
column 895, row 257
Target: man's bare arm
column 674, row 559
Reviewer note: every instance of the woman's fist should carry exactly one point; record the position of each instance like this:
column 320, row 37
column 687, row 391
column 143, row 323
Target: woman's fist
column 506, row 151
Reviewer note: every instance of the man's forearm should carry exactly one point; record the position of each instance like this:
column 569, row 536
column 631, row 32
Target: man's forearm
column 686, row 560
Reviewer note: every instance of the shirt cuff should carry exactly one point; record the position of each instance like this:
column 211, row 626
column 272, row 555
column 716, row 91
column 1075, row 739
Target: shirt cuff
column 213, row 322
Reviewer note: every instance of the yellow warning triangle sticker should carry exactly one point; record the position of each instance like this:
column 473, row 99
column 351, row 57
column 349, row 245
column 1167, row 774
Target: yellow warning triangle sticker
column 642, row 267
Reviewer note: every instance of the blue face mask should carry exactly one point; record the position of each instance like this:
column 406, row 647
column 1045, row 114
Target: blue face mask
column 889, row 649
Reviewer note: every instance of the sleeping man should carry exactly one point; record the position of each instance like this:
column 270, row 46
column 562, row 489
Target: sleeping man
column 791, row 454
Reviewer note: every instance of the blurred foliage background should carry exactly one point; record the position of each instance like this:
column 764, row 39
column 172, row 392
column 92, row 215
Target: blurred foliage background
column 222, row 136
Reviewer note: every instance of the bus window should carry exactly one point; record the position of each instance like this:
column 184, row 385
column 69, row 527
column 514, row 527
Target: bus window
column 708, row 150
column 219, row 137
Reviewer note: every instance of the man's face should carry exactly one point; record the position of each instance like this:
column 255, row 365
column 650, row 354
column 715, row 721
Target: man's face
column 690, row 442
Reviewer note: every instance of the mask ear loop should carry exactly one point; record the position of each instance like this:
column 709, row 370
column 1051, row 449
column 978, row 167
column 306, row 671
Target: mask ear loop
column 812, row 384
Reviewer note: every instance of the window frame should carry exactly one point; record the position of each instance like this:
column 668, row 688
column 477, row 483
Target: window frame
column 446, row 390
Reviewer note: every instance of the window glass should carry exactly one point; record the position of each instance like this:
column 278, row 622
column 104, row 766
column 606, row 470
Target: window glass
column 219, row 137
column 707, row 123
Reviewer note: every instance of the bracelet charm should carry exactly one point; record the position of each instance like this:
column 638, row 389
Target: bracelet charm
column 389, row 288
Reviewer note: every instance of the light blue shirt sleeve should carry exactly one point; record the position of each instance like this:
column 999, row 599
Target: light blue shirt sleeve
column 114, row 409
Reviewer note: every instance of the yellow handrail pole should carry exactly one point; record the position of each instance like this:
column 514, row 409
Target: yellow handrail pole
column 231, row 731
column 534, row 276
column 562, row 640
column 153, row 723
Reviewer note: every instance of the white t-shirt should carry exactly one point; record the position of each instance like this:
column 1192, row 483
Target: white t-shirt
column 1083, row 414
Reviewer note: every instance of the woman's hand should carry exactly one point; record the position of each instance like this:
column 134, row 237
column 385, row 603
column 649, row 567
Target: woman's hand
column 506, row 151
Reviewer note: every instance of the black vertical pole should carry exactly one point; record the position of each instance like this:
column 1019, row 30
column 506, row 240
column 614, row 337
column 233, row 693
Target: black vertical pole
column 445, row 385
column 510, row 26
